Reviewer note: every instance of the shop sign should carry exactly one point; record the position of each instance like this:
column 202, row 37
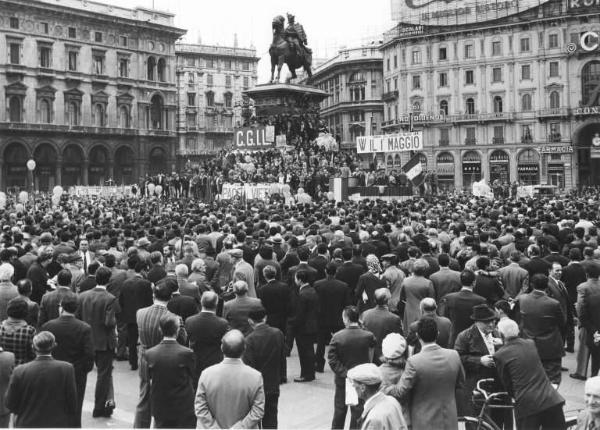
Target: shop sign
column 528, row 168
column 587, row 110
column 471, row 168
column 583, row 5
column 499, row 159
column 566, row 149
column 594, row 152
column 445, row 169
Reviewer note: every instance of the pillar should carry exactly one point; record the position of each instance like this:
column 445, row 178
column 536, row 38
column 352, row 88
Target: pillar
column 58, row 171
column 111, row 169
column 86, row 168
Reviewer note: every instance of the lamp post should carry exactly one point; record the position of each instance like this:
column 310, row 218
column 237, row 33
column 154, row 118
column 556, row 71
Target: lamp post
column 30, row 167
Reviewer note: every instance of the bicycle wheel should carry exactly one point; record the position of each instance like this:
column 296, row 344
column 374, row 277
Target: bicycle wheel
column 473, row 423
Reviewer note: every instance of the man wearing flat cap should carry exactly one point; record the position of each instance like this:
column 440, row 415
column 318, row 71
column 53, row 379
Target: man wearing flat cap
column 42, row 392
column 242, row 270
column 381, row 411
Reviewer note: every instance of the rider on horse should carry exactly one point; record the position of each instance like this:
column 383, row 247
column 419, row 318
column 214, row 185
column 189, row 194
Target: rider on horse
column 296, row 36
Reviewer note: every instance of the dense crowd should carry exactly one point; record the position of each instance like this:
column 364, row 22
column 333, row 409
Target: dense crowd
column 410, row 304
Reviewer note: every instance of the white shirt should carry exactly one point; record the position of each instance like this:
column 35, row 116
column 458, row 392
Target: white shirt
column 488, row 339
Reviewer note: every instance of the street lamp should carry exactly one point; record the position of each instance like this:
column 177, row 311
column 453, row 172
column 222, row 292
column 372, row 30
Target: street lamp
column 31, row 167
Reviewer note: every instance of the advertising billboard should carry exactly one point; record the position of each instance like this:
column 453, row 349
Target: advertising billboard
column 458, row 12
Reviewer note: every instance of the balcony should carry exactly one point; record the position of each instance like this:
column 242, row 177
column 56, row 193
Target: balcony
column 390, row 96
column 465, row 117
column 562, row 112
column 497, row 116
column 101, row 130
column 46, row 72
column 498, row 141
column 63, row 128
column 444, row 142
column 218, row 129
column 470, row 141
column 100, row 79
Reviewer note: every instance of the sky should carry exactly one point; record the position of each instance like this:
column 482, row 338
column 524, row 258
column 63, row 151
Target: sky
column 329, row 24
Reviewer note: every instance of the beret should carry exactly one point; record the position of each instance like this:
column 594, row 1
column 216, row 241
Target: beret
column 367, row 373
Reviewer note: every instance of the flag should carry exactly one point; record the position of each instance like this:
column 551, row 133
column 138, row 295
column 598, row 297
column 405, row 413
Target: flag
column 414, row 170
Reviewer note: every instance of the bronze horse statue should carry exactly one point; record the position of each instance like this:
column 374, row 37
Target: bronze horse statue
column 282, row 51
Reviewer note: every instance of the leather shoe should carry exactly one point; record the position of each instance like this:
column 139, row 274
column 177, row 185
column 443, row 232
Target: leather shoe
column 134, row 367
column 98, row 413
column 320, row 369
column 564, row 369
column 303, row 379
column 578, row 376
column 571, row 349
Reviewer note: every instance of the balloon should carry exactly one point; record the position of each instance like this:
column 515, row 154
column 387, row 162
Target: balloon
column 58, row 190
column 31, row 164
column 151, row 188
column 158, row 189
column 23, row 196
column 19, row 207
column 330, row 195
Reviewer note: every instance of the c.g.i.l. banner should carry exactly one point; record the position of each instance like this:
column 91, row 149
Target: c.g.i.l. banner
column 397, row 142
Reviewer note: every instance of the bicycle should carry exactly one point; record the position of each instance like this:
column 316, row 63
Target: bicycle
column 483, row 421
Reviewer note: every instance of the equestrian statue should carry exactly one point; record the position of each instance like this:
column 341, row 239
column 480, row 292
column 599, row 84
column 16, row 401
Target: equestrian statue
column 289, row 47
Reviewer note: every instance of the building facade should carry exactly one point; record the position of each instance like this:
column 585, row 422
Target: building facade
column 210, row 82
column 354, row 81
column 89, row 91
column 514, row 99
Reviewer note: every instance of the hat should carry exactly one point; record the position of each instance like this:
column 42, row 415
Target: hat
column 277, row 238
column 388, row 256
column 483, row 313
column 367, row 373
column 236, row 252
column 143, row 242
column 393, row 346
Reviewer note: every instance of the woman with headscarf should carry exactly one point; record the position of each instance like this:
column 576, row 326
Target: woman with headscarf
column 198, row 275
column 393, row 361
column 368, row 282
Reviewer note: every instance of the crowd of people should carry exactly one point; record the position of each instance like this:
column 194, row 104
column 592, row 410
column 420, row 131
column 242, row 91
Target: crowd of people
column 409, row 303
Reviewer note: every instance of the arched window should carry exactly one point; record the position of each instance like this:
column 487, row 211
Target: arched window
column 162, row 70
column 228, row 100
column 14, row 109
column 99, row 115
column 151, row 68
column 444, row 107
column 73, row 113
column 590, row 83
column 497, row 104
column 554, row 100
column 470, row 105
column 124, row 117
column 45, row 112
column 156, row 112
column 526, row 102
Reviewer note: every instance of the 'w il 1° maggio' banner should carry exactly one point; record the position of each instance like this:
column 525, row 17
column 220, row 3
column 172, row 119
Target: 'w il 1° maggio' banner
column 397, row 142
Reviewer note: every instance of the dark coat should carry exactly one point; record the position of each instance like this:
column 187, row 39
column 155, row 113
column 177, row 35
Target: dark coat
column 588, row 303
column 276, row 297
column 542, row 320
column 458, row 307
column 368, row 283
column 171, row 374
column 520, row 371
column 348, row 348
column 42, row 393
column 489, row 288
column 381, row 322
column 334, row 296
column 444, row 326
column 537, row 265
column 50, row 302
column 184, row 306
column 266, row 353
column 98, row 308
column 39, row 281
column 157, row 273
column 306, row 320
column 349, row 273
column 73, row 342
column 236, row 312
column 445, row 281
column 136, row 293
column 205, row 331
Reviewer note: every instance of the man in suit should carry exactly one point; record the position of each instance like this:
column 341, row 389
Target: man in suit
column 186, row 287
column 42, row 392
column 184, row 306
column 305, row 325
column 487, row 284
column 236, row 311
column 150, row 335
column 588, row 303
column 276, row 299
column 87, row 256
column 171, row 377
column 334, row 295
column 556, row 289
column 445, row 281
column 49, row 307
column 429, row 310
column 265, row 352
column 429, row 382
column 542, row 320
column 590, row 416
column 536, row 264
column 7, row 365
column 98, row 308
column 476, row 347
column 230, row 394
column 349, row 272
column 89, row 281
column 380, row 321
column 320, row 261
column 349, row 347
column 457, row 307
column 136, row 293
column 117, row 277
column 537, row 402
column 157, row 271
column 514, row 278
column 205, row 331
column 74, row 345
column 393, row 277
